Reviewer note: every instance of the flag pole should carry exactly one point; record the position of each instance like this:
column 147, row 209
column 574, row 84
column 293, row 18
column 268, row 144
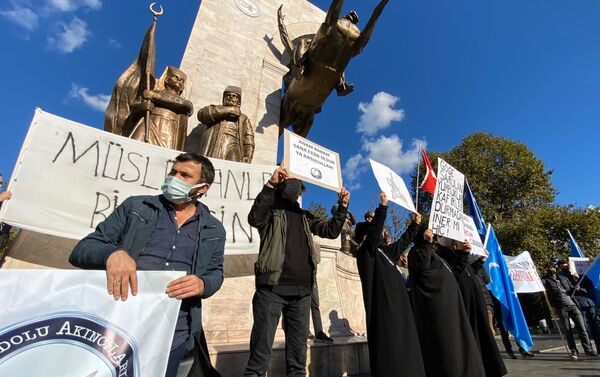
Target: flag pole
column 418, row 178
column 557, row 323
column 155, row 14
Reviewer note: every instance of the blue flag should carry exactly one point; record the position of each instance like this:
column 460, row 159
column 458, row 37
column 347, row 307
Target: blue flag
column 593, row 273
column 475, row 212
column 575, row 249
column 501, row 286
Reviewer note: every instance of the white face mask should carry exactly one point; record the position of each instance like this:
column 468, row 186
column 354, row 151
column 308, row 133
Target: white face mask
column 177, row 191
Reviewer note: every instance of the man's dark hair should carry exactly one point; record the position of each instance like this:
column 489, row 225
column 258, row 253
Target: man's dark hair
column 207, row 174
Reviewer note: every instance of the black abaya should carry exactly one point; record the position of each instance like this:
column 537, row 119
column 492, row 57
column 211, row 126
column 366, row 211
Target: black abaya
column 394, row 348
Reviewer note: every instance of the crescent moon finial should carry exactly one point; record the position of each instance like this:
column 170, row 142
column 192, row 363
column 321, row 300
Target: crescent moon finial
column 156, row 12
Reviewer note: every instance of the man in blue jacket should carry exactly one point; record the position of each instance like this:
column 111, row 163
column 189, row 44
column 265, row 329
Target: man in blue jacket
column 173, row 232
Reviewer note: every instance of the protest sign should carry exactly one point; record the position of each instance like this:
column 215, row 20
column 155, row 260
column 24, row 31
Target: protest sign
column 311, row 162
column 578, row 265
column 447, row 205
column 523, row 273
column 393, row 185
column 70, row 177
column 472, row 236
column 58, row 323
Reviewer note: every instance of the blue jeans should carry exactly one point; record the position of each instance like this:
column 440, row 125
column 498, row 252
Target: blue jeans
column 267, row 307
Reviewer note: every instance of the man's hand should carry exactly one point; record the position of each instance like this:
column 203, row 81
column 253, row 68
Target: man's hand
column 120, row 274
column 5, row 196
column 417, row 217
column 465, row 246
column 428, row 235
column 344, row 197
column 279, row 175
column 383, row 200
column 186, row 286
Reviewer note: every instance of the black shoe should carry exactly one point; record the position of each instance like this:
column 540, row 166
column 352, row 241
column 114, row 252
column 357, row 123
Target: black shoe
column 527, row 355
column 573, row 355
column 591, row 353
column 321, row 337
column 511, row 355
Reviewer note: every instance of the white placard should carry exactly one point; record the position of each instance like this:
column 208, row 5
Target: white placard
column 524, row 274
column 70, row 177
column 579, row 265
column 57, row 323
column 447, row 205
column 472, row 236
column 311, row 162
column 393, row 185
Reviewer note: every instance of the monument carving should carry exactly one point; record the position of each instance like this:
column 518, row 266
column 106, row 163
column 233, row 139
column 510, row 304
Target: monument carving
column 143, row 108
column 228, row 133
column 317, row 64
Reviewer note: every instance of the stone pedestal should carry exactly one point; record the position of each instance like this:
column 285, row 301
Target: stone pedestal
column 236, row 42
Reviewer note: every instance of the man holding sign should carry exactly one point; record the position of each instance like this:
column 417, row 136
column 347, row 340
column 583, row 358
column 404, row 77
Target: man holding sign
column 393, row 341
column 285, row 269
column 173, row 232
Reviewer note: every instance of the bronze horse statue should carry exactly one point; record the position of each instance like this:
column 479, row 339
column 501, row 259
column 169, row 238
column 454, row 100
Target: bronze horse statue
column 317, row 64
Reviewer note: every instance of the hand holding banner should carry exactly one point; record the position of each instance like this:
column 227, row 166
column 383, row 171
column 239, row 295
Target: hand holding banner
column 311, row 162
column 472, row 236
column 447, row 206
column 393, row 186
column 63, row 323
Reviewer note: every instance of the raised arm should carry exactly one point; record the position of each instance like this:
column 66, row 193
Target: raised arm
column 421, row 254
column 259, row 213
column 283, row 33
column 333, row 227
column 333, row 13
column 397, row 248
column 365, row 35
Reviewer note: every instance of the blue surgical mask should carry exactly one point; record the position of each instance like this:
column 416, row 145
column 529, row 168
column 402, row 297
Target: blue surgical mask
column 177, row 191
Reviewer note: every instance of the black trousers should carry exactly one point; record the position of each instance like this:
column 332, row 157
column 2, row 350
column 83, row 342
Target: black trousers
column 267, row 308
column 589, row 317
column 573, row 312
column 315, row 312
column 503, row 331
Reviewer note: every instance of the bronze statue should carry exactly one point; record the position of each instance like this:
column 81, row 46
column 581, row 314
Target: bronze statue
column 165, row 110
column 347, row 244
column 317, row 65
column 130, row 86
column 228, row 133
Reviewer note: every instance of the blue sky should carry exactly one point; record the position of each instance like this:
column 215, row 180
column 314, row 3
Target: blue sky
column 434, row 71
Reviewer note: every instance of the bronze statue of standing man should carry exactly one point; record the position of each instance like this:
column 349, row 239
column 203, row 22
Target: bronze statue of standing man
column 228, row 133
column 168, row 112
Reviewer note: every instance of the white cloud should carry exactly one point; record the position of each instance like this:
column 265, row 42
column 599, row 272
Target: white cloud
column 21, row 16
column 378, row 114
column 389, row 151
column 114, row 44
column 71, row 37
column 352, row 171
column 97, row 102
column 73, row 5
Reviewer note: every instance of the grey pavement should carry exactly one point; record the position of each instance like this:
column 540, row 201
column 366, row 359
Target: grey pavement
column 551, row 360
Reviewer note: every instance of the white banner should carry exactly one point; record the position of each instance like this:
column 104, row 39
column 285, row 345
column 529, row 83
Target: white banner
column 524, row 274
column 447, row 205
column 393, row 185
column 311, row 162
column 579, row 265
column 70, row 177
column 56, row 323
column 472, row 236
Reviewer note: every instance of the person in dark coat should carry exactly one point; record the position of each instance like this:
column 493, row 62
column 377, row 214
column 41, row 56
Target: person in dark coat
column 393, row 341
column 447, row 340
column 456, row 254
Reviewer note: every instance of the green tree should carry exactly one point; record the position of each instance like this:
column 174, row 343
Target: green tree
column 318, row 210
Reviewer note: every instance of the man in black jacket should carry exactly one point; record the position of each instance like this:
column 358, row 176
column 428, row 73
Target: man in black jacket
column 284, row 270
column 557, row 287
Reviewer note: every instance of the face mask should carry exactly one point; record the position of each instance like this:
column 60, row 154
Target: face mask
column 291, row 189
column 177, row 191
